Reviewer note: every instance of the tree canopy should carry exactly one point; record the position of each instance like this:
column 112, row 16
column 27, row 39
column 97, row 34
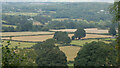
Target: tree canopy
column 62, row 37
column 49, row 54
column 96, row 54
column 80, row 33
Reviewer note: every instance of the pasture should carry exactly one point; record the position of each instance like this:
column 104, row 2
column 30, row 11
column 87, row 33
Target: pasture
column 3, row 25
column 19, row 44
column 82, row 42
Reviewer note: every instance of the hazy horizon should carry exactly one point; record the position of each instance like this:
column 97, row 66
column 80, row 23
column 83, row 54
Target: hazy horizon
column 58, row 1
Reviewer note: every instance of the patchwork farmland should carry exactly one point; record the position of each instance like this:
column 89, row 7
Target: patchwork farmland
column 70, row 51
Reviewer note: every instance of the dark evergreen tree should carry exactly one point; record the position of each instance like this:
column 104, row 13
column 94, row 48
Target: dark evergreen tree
column 112, row 30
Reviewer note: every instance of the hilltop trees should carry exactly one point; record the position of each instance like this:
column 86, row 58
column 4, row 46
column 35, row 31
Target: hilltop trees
column 80, row 33
column 62, row 37
column 49, row 54
column 42, row 19
column 96, row 54
column 27, row 26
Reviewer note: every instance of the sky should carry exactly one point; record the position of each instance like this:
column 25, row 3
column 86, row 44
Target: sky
column 57, row 0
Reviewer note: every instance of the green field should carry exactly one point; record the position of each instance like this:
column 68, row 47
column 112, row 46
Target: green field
column 70, row 65
column 19, row 44
column 3, row 25
column 82, row 42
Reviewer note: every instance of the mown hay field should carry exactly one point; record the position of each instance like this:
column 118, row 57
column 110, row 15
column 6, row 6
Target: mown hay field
column 24, row 33
column 88, row 30
column 70, row 52
column 31, row 38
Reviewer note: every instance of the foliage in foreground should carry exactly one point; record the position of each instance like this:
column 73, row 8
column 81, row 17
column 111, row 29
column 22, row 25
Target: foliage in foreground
column 96, row 54
column 10, row 57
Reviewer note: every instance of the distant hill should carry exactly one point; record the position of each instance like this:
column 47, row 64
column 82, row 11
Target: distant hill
column 91, row 11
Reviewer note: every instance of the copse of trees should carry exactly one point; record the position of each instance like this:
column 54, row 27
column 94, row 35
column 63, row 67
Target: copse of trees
column 79, row 33
column 62, row 37
column 96, row 54
column 49, row 54
column 8, row 29
column 14, row 20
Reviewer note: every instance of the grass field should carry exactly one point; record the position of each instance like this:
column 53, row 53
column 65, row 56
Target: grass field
column 70, row 52
column 92, row 36
column 70, row 65
column 4, row 21
column 3, row 25
column 82, row 42
column 19, row 44
column 24, row 33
